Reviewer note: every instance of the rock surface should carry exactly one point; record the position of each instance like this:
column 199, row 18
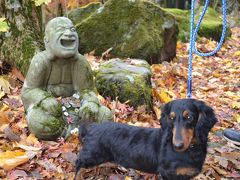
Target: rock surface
column 132, row 28
column 128, row 79
column 79, row 14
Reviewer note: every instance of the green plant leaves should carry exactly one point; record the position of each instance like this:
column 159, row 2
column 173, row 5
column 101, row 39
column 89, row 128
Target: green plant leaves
column 3, row 25
column 40, row 2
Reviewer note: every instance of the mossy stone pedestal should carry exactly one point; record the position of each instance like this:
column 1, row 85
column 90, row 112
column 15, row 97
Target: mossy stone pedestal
column 128, row 79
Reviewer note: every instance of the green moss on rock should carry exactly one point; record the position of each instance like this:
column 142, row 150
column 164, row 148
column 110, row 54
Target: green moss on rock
column 132, row 29
column 211, row 26
column 129, row 80
column 45, row 126
column 79, row 14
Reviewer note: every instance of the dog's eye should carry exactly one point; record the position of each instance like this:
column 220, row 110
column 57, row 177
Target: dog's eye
column 189, row 117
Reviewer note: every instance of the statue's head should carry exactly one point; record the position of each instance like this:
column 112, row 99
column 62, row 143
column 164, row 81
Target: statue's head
column 61, row 37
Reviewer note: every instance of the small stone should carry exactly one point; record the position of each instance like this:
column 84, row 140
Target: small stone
column 76, row 95
column 64, row 108
column 74, row 131
column 67, row 105
column 66, row 113
column 75, row 103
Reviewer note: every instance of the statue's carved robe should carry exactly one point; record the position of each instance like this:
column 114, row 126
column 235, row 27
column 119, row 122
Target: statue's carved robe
column 58, row 77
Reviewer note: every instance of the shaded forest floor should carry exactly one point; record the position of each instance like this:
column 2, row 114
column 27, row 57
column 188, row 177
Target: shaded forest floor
column 216, row 80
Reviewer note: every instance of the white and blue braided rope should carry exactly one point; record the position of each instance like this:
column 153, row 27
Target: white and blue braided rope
column 193, row 36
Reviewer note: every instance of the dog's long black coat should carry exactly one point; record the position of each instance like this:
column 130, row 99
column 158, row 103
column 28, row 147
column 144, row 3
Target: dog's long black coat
column 149, row 149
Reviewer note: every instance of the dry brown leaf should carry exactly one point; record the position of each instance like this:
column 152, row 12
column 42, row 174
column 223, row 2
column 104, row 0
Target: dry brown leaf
column 4, row 84
column 1, row 94
column 4, row 107
column 128, row 178
column 17, row 174
column 32, row 140
column 237, row 53
column 156, row 68
column 18, row 74
column 27, row 148
column 231, row 155
column 216, row 175
column 209, row 88
column 72, row 4
column 222, row 161
column 219, row 170
column 4, row 118
column 216, row 74
column 10, row 134
column 236, row 105
column 236, row 118
column 12, row 159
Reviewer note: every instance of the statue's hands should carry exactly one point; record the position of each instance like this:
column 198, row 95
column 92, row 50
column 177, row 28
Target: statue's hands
column 89, row 111
column 52, row 106
column 92, row 110
column 104, row 114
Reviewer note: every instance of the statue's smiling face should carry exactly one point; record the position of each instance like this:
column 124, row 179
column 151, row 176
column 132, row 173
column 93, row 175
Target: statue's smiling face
column 67, row 38
column 61, row 38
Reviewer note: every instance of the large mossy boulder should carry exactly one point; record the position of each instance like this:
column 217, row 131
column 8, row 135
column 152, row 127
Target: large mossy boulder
column 211, row 26
column 128, row 79
column 132, row 28
column 79, row 14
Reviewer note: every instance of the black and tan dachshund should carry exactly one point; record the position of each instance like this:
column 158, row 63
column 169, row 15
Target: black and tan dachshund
column 177, row 150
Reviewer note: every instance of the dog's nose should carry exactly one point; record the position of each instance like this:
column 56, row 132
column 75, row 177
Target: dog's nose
column 178, row 146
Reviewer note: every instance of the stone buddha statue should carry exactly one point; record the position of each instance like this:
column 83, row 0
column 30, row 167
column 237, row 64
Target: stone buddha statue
column 58, row 72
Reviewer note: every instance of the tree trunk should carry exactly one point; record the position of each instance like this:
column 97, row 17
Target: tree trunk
column 180, row 4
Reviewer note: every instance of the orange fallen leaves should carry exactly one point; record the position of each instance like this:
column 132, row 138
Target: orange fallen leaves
column 72, row 4
column 32, row 140
column 161, row 95
column 128, row 178
column 4, row 118
column 12, row 159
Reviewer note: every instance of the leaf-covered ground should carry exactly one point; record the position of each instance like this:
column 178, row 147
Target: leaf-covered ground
column 216, row 80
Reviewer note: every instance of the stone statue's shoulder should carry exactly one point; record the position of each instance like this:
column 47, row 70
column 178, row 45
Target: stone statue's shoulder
column 41, row 58
column 81, row 57
column 83, row 60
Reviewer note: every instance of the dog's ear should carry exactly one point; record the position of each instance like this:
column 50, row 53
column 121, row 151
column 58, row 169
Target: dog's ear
column 165, row 110
column 206, row 120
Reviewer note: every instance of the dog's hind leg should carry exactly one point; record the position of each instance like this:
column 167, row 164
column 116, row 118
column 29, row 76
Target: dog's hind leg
column 78, row 175
column 89, row 157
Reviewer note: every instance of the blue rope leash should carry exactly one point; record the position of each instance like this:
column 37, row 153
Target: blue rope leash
column 193, row 36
